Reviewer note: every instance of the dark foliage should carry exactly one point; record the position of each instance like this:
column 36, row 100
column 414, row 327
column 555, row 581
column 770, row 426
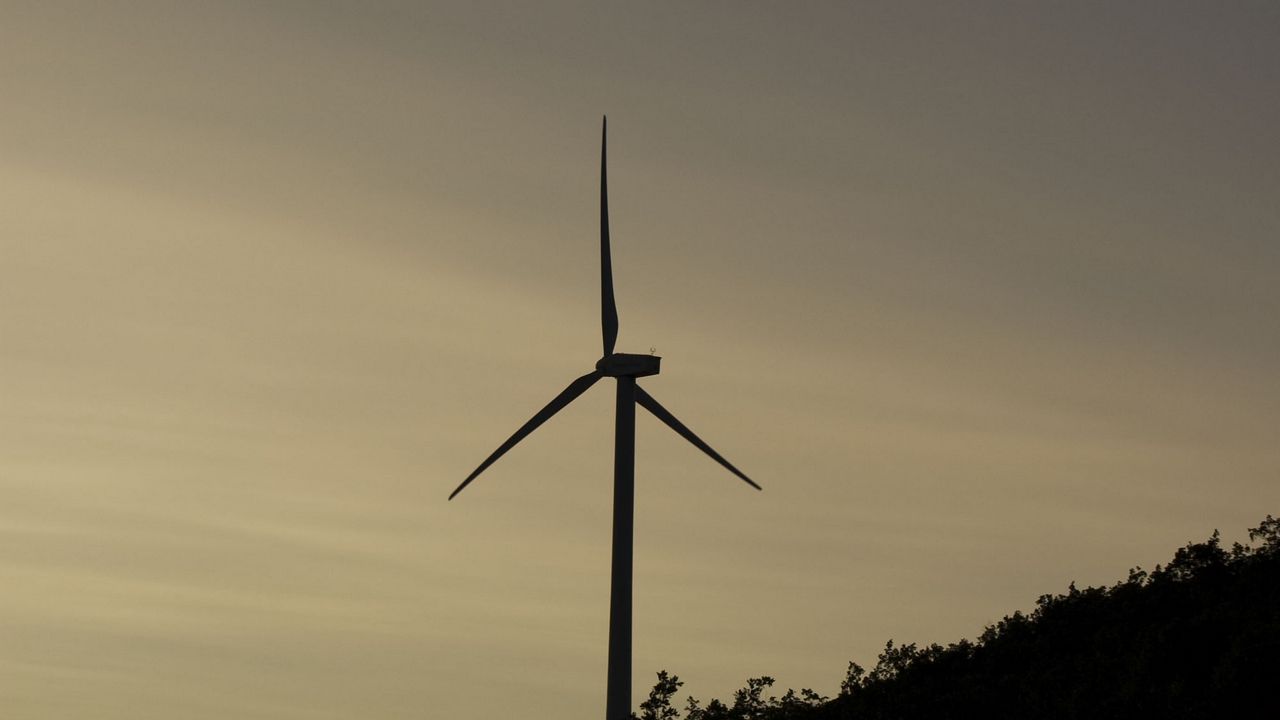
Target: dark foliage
column 1197, row 638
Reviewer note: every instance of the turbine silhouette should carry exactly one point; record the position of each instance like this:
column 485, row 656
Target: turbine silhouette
column 625, row 367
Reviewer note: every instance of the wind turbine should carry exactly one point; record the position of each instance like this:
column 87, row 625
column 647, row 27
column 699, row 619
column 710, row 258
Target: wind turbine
column 625, row 367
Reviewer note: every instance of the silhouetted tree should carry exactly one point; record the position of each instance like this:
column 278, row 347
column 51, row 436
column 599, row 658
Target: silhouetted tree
column 658, row 706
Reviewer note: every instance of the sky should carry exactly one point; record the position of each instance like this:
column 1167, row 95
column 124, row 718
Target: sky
column 983, row 294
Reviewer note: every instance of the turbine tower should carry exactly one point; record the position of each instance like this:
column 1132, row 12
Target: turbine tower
column 625, row 367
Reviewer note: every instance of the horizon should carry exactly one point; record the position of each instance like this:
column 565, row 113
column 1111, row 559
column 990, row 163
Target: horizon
column 985, row 300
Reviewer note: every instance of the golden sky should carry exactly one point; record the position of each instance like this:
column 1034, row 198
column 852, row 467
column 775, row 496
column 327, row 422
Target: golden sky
column 985, row 297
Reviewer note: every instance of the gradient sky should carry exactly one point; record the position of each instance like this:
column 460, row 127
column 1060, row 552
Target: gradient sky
column 985, row 296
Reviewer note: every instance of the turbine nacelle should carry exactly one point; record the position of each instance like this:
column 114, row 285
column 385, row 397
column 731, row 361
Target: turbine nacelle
column 628, row 365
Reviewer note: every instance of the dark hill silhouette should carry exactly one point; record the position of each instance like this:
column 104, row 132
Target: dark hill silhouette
column 1197, row 638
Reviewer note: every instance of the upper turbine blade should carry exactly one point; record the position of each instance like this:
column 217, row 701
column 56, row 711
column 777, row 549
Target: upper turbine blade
column 608, row 310
column 576, row 388
column 647, row 401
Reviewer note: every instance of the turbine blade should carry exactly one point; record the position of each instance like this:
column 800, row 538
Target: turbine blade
column 646, row 400
column 576, row 388
column 608, row 309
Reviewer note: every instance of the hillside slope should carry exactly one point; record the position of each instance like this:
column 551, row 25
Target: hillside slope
column 1197, row 638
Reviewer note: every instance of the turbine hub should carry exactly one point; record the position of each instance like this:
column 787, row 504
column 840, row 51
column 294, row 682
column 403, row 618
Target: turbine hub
column 628, row 365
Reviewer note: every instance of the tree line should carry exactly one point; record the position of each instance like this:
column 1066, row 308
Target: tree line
column 1198, row 637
